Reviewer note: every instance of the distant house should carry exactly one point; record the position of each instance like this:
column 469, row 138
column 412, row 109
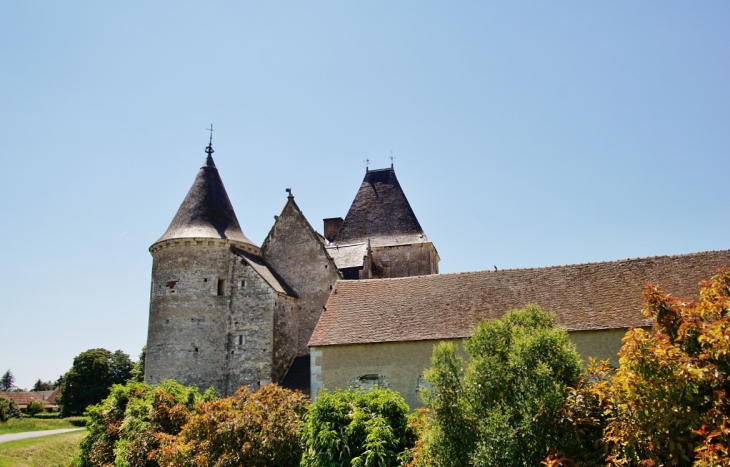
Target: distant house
column 23, row 398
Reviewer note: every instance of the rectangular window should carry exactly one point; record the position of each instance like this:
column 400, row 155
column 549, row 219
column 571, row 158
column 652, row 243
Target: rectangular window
column 240, row 340
column 243, row 284
column 221, row 287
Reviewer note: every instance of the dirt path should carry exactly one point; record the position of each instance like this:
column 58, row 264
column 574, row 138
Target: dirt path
column 34, row 434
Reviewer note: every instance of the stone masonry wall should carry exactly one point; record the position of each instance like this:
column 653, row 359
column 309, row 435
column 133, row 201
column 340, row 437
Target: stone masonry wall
column 193, row 331
column 293, row 249
column 402, row 261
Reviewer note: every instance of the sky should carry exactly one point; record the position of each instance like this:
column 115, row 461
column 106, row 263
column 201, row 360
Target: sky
column 524, row 134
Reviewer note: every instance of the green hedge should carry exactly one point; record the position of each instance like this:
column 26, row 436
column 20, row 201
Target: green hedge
column 76, row 421
column 47, row 415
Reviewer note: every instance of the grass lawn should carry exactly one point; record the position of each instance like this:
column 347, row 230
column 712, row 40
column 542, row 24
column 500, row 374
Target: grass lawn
column 48, row 451
column 19, row 425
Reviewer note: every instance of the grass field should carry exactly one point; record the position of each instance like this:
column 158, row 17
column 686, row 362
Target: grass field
column 48, row 451
column 19, row 425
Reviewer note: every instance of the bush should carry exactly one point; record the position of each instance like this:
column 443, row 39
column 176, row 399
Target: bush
column 504, row 408
column 671, row 393
column 251, row 429
column 35, row 407
column 124, row 428
column 47, row 415
column 77, row 421
column 8, row 409
column 348, row 428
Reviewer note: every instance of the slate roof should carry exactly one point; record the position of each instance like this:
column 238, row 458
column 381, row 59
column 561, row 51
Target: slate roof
column 206, row 211
column 263, row 270
column 381, row 212
column 348, row 256
column 584, row 297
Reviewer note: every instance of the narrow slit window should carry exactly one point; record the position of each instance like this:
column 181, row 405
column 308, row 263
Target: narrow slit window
column 221, row 287
column 243, row 284
column 240, row 340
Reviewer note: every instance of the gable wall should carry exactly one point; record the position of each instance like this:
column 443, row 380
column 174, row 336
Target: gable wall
column 294, row 251
column 418, row 259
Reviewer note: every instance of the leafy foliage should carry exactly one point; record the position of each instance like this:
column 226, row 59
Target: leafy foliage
column 8, row 409
column 34, row 408
column 43, row 385
column 137, row 374
column 348, row 428
column 92, row 374
column 123, row 429
column 252, row 429
column 505, row 407
column 7, row 381
column 670, row 394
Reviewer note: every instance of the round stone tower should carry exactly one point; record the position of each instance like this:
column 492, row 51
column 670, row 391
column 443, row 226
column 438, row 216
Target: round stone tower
column 192, row 282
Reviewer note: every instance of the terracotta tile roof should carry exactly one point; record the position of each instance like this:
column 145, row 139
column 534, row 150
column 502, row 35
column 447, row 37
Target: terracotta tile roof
column 588, row 296
column 22, row 398
column 380, row 212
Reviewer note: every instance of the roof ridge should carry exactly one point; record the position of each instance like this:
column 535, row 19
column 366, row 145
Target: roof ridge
column 541, row 267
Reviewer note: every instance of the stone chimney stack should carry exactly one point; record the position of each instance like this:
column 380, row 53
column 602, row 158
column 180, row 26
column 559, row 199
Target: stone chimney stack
column 331, row 227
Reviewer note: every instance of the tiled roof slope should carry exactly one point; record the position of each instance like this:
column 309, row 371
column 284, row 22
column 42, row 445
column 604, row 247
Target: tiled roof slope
column 585, row 297
column 206, row 211
column 381, row 212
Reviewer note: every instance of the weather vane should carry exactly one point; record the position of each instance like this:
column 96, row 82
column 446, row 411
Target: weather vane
column 209, row 149
column 367, row 165
column 391, row 159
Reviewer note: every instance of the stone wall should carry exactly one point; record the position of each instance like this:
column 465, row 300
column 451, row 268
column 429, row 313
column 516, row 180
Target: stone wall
column 294, row 250
column 199, row 310
column 419, row 259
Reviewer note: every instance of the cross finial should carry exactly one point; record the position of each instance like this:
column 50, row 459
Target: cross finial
column 391, row 159
column 209, row 149
column 367, row 165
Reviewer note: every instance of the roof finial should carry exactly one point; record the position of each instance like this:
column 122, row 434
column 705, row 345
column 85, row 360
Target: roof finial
column 367, row 165
column 391, row 160
column 288, row 190
column 209, row 149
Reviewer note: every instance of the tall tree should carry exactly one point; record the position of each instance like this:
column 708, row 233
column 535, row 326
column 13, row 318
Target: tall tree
column 504, row 407
column 138, row 370
column 7, row 381
column 92, row 374
column 41, row 385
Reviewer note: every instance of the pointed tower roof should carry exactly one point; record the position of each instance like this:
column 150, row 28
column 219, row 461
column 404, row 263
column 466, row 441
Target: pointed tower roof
column 206, row 211
column 380, row 212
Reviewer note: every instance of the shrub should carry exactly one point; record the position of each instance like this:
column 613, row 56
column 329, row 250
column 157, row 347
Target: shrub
column 47, row 415
column 348, row 428
column 77, row 421
column 34, row 407
column 504, row 407
column 8, row 409
column 670, row 395
column 251, row 429
column 122, row 427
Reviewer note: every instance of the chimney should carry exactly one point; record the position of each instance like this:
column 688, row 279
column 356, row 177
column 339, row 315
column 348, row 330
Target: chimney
column 331, row 227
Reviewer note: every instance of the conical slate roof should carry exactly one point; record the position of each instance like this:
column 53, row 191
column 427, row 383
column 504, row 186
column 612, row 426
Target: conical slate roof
column 206, row 211
column 381, row 213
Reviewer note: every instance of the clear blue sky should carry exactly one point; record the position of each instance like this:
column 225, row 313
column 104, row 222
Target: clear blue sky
column 526, row 134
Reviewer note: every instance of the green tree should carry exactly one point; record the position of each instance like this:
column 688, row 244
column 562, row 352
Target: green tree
column 43, row 385
column 35, row 407
column 8, row 409
column 138, row 370
column 348, row 428
column 92, row 374
column 7, row 381
column 670, row 396
column 503, row 408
